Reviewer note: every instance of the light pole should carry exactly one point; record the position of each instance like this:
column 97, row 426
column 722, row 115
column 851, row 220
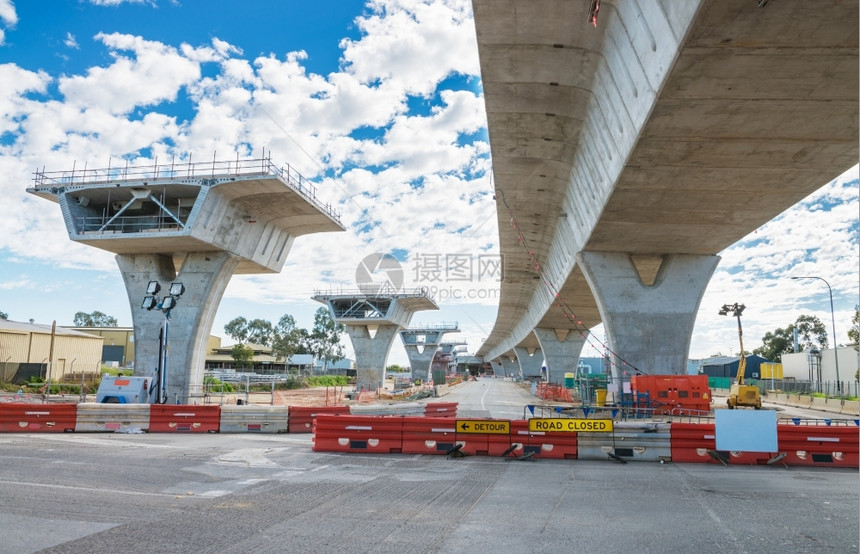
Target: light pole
column 168, row 302
column 833, row 323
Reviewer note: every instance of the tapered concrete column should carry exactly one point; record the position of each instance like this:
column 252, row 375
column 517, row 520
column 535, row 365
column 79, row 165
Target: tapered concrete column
column 421, row 345
column 530, row 360
column 498, row 369
column 561, row 350
column 648, row 313
column 205, row 275
column 510, row 366
column 371, row 344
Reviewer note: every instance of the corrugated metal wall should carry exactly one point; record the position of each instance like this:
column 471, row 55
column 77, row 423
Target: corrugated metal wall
column 72, row 353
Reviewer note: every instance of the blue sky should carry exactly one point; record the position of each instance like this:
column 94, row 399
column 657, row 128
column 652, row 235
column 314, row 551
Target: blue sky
column 378, row 102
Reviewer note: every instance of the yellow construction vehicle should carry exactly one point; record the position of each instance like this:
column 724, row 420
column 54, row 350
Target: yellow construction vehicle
column 741, row 394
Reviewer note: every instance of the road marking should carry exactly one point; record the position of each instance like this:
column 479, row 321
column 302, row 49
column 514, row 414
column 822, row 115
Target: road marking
column 86, row 489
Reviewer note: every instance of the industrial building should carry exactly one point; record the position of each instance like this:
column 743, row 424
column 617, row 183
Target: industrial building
column 35, row 350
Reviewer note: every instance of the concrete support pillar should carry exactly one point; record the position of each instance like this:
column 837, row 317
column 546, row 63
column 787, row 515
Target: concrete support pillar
column 498, row 369
column 371, row 344
column 561, row 350
column 510, row 367
column 530, row 360
column 205, row 276
column 421, row 345
column 648, row 306
column 420, row 358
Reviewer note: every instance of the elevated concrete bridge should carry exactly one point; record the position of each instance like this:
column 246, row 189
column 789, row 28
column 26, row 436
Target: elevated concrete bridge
column 633, row 143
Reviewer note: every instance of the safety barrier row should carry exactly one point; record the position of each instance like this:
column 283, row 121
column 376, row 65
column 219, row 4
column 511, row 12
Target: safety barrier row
column 805, row 445
column 168, row 418
column 821, row 443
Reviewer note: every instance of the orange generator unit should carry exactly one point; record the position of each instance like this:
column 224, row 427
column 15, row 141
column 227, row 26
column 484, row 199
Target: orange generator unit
column 672, row 394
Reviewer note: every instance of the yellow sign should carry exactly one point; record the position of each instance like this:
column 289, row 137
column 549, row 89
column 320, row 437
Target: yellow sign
column 571, row 425
column 488, row 427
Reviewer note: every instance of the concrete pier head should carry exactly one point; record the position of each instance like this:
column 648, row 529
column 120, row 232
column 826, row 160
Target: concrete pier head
column 372, row 321
column 421, row 344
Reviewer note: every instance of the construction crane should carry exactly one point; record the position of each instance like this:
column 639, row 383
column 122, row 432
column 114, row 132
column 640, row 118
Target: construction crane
column 741, row 394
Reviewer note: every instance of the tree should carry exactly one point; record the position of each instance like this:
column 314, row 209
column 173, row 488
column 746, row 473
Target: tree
column 324, row 341
column 811, row 332
column 242, row 355
column 260, row 332
column 256, row 331
column 237, row 329
column 288, row 339
column 4, row 315
column 94, row 319
column 854, row 331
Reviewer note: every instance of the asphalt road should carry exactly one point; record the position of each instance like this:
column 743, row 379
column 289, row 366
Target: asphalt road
column 272, row 493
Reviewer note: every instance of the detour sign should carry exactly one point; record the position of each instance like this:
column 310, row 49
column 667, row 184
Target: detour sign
column 571, row 425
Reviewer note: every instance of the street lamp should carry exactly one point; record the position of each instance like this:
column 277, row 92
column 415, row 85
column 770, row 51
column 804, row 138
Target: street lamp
column 833, row 323
column 150, row 302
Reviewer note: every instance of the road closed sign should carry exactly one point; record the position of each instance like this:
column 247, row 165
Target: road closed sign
column 571, row 425
column 489, row 427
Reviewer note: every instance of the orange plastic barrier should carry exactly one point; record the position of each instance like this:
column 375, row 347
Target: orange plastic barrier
column 28, row 418
column 819, row 445
column 690, row 442
column 499, row 444
column 440, row 409
column 428, row 435
column 348, row 433
column 302, row 417
column 549, row 444
column 169, row 418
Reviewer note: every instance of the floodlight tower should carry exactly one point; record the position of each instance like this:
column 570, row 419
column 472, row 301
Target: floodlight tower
column 190, row 224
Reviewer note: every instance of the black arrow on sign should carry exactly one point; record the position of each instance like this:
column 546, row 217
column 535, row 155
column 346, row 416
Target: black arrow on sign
column 464, row 426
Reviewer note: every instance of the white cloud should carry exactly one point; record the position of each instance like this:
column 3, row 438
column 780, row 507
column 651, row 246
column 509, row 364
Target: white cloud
column 118, row 2
column 154, row 73
column 8, row 14
column 71, row 42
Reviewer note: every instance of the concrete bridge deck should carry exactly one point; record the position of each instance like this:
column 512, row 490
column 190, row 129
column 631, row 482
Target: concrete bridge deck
column 669, row 129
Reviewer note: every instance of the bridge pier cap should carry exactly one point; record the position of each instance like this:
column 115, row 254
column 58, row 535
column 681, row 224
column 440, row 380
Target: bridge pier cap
column 648, row 326
column 372, row 321
column 421, row 344
column 194, row 223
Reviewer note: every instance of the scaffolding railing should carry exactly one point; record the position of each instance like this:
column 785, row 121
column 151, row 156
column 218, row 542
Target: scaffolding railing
column 208, row 172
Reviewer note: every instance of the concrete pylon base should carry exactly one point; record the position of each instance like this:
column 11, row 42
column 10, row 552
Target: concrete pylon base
column 531, row 363
column 561, row 350
column 648, row 326
column 371, row 352
column 511, row 367
column 205, row 276
column 420, row 361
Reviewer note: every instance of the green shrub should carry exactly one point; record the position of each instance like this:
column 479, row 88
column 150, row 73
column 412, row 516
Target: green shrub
column 328, row 381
